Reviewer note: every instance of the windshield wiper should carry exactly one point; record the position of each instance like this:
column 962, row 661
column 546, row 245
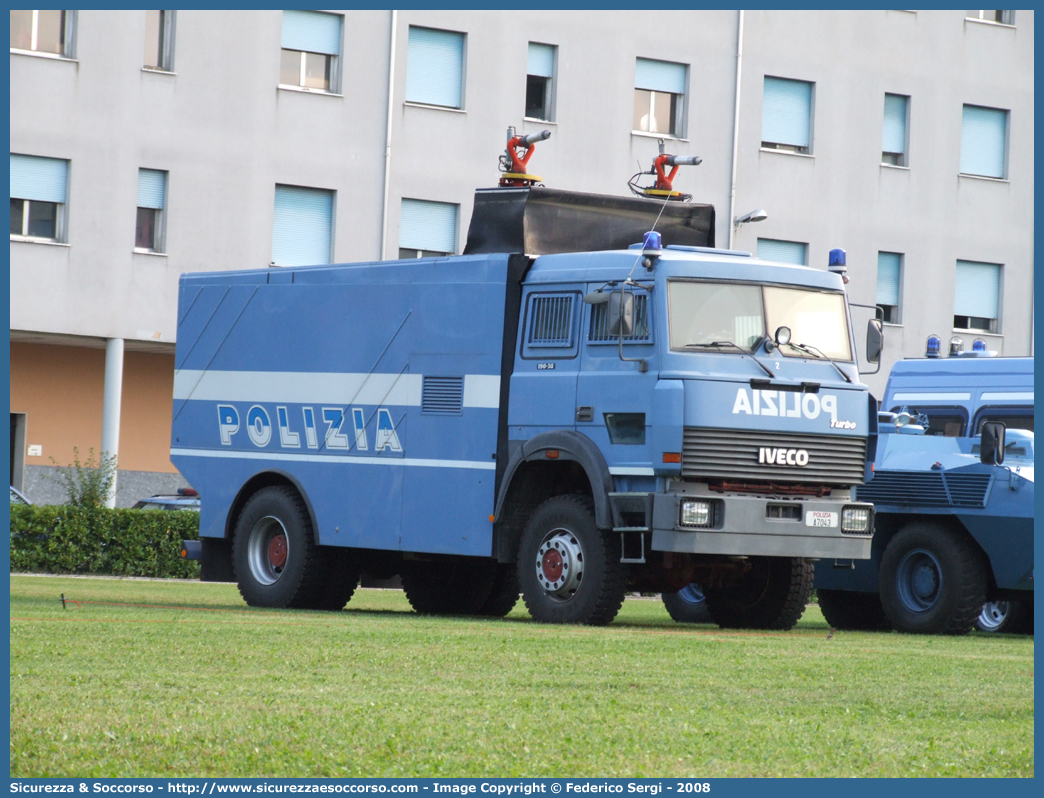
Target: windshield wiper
column 737, row 347
column 811, row 350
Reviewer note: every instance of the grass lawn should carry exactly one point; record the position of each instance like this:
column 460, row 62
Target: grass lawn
column 378, row 691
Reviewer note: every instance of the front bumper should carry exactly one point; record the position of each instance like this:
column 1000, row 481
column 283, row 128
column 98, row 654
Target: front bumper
column 759, row 525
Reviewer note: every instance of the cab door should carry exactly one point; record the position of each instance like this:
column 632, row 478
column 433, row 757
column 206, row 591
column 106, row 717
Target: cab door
column 614, row 397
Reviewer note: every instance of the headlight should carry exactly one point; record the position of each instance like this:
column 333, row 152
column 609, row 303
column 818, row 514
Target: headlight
column 697, row 513
column 855, row 519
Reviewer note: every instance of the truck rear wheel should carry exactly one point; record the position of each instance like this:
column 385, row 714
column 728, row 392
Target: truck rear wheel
column 845, row 609
column 933, row 581
column 569, row 571
column 504, row 595
column 688, row 605
column 447, row 587
column 274, row 557
column 771, row 595
column 340, row 580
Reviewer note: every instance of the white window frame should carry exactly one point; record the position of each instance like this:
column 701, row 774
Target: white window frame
column 68, row 34
column 902, row 276
column 167, row 47
column 59, row 224
column 335, row 65
column 550, row 99
column 982, row 19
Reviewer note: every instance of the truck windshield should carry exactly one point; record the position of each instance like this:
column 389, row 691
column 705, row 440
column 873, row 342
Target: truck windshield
column 712, row 315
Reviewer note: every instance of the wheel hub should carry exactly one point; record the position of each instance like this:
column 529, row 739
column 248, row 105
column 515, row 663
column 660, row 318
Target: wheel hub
column 560, row 564
column 268, row 549
column 919, row 580
column 993, row 615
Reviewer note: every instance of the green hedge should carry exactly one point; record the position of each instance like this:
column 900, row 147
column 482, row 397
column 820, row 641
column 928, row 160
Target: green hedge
column 95, row 540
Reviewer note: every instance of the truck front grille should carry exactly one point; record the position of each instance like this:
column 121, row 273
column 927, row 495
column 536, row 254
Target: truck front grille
column 927, row 489
column 736, row 454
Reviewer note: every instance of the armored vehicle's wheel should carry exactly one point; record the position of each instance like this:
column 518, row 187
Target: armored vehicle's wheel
column 447, row 587
column 933, row 581
column 771, row 595
column 1005, row 616
column 568, row 570
column 844, row 609
column 274, row 557
column 688, row 605
column 504, row 595
column 341, row 579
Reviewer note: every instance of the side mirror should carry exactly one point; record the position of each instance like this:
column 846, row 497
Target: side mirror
column 621, row 313
column 991, row 447
column 874, row 341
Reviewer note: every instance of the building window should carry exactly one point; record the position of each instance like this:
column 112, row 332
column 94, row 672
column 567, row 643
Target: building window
column 540, row 73
column 159, row 40
column 43, row 32
column 1003, row 17
column 659, row 97
column 435, row 67
column 311, row 46
column 783, row 251
column 984, row 133
column 152, row 195
column 893, row 141
column 786, row 115
column 38, row 190
column 427, row 229
column 889, row 282
column 302, row 226
column 976, row 303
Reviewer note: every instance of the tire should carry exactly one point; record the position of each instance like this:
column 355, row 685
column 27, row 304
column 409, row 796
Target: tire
column 568, row 570
column 274, row 557
column 341, row 579
column 844, row 609
column 688, row 605
column 504, row 594
column 1005, row 616
column 933, row 581
column 447, row 587
column 772, row 595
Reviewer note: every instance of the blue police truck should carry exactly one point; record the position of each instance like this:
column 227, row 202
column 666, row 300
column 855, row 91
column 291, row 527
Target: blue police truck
column 555, row 412
column 953, row 546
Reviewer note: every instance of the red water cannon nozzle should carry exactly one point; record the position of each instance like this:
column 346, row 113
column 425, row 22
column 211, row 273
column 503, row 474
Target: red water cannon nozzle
column 664, row 185
column 514, row 163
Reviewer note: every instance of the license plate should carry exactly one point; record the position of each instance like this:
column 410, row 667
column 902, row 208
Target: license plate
column 820, row 518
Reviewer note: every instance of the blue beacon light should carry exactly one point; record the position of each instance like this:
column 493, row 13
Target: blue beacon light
column 933, row 346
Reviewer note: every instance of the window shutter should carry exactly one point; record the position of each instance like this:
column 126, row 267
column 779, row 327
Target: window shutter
column 41, row 179
column 894, row 138
column 428, row 225
column 888, row 278
column 983, row 131
column 786, row 112
column 435, row 67
column 541, row 60
column 659, row 76
column 977, row 289
column 301, row 226
column 312, row 32
column 782, row 251
column 152, row 186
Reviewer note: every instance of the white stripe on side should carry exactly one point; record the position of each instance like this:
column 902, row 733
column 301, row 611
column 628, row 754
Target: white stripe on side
column 931, row 397
column 995, row 396
column 319, row 388
column 336, row 459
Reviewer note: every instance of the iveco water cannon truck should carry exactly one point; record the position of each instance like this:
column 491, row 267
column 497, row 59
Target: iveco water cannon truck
column 570, row 410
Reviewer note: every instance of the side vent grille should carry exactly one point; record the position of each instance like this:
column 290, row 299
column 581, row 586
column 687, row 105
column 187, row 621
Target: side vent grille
column 552, row 321
column 927, row 489
column 442, row 396
column 968, row 490
column 599, row 332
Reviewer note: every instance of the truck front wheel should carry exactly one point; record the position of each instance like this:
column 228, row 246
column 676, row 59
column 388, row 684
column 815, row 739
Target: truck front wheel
column 771, row 595
column 933, row 581
column 569, row 571
column 1015, row 617
column 274, row 557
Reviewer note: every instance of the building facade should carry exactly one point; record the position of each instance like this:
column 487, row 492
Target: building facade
column 145, row 144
